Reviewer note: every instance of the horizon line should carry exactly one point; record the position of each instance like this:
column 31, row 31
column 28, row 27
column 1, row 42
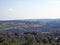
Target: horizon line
column 28, row 19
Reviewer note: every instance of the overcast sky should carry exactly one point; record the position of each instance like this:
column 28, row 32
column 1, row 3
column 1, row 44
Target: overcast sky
column 29, row 9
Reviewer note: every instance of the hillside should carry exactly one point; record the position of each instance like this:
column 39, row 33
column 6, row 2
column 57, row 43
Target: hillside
column 38, row 25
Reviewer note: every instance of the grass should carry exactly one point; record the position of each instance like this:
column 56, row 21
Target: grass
column 43, row 44
column 19, row 43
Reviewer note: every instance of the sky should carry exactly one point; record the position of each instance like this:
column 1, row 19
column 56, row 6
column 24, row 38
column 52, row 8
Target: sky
column 29, row 9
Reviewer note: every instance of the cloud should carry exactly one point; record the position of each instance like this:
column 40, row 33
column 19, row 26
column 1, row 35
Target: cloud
column 10, row 9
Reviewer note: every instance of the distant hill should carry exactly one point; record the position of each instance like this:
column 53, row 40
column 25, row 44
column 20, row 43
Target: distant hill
column 38, row 25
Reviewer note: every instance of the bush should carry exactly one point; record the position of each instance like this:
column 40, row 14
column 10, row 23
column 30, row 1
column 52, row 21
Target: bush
column 5, row 43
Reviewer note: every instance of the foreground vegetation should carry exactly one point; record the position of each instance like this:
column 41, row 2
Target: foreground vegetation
column 29, row 38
